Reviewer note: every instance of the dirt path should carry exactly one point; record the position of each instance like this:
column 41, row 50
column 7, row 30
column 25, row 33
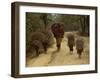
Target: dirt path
column 63, row 57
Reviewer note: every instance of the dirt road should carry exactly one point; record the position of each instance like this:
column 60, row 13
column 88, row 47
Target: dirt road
column 63, row 57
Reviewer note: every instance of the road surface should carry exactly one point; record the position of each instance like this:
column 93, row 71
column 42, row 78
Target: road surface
column 63, row 57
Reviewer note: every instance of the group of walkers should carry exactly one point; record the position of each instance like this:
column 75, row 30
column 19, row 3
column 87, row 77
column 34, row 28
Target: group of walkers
column 58, row 32
column 39, row 39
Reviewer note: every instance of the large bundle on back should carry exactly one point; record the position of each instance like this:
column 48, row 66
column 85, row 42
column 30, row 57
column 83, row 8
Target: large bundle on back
column 38, row 36
column 58, row 32
column 49, row 37
column 44, row 37
column 71, row 41
column 79, row 46
column 36, row 44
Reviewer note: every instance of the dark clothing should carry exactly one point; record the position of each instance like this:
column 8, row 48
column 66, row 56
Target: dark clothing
column 79, row 51
column 57, row 30
column 71, row 41
column 71, row 48
column 58, row 42
column 79, row 44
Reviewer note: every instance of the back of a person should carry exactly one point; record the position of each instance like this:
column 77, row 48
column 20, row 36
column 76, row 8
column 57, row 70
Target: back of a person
column 57, row 30
column 71, row 39
column 71, row 42
column 79, row 46
column 79, row 43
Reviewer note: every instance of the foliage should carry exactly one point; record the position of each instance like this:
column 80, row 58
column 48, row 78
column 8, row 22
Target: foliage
column 38, row 26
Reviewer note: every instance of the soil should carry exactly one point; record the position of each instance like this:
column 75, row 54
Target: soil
column 63, row 57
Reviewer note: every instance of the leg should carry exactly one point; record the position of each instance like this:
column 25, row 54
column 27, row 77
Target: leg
column 58, row 42
column 71, row 49
column 45, row 47
column 37, row 51
column 58, row 47
column 80, row 53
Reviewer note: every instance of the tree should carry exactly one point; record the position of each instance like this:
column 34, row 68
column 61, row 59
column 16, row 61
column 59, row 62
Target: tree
column 84, row 20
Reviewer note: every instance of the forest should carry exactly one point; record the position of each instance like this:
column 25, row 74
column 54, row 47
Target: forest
column 40, row 23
